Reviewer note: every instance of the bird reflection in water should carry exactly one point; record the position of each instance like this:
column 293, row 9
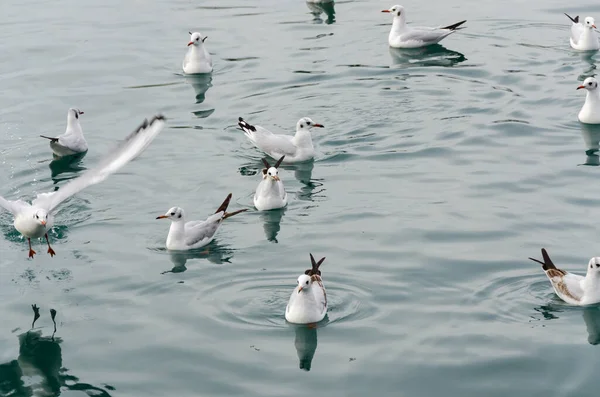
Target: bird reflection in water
column 306, row 344
column 591, row 316
column 38, row 370
column 433, row 55
column 319, row 7
column 213, row 252
column 591, row 138
column 201, row 83
column 272, row 223
column 588, row 58
column 60, row 165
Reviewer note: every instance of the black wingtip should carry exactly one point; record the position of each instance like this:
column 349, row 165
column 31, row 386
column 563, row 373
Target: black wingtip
column 454, row 26
column 244, row 125
column 278, row 163
column 314, row 266
column 574, row 20
column 547, row 264
column 51, row 139
column 225, row 204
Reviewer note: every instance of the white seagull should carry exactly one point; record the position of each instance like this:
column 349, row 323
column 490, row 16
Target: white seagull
column 197, row 60
column 572, row 288
column 72, row 141
column 308, row 302
column 35, row 219
column 583, row 36
column 185, row 236
column 270, row 193
column 402, row 36
column 297, row 148
column 590, row 111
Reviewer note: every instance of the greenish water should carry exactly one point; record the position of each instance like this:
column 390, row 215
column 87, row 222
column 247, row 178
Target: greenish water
column 438, row 173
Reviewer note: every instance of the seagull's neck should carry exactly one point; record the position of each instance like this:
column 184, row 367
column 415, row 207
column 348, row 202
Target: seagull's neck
column 268, row 186
column 399, row 23
column 593, row 98
column 176, row 231
column 303, row 138
column 198, row 51
column 73, row 127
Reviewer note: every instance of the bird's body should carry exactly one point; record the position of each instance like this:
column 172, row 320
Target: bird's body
column 35, row 219
column 270, row 193
column 308, row 302
column 72, row 141
column 573, row 288
column 185, row 236
column 297, row 148
column 590, row 111
column 583, row 36
column 403, row 36
column 197, row 60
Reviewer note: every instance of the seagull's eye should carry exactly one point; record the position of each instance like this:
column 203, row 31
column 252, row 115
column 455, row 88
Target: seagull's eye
column 172, row 214
column 37, row 217
column 308, row 122
column 306, row 282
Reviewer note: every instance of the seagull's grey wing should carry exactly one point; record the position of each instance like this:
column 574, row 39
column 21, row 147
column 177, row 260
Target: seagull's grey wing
column 129, row 149
column 566, row 285
column 12, row 206
column 198, row 231
column 576, row 31
column 424, row 35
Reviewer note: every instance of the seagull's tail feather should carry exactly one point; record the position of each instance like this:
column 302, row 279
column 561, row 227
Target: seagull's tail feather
column 230, row 214
column 248, row 129
column 223, row 207
column 574, row 20
column 51, row 139
column 547, row 264
column 454, row 26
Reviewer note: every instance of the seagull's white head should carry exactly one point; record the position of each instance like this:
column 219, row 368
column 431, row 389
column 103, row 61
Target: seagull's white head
column 305, row 124
column 589, row 23
column 589, row 84
column 41, row 217
column 73, row 115
column 396, row 11
column 271, row 173
column 175, row 214
column 594, row 267
column 304, row 283
column 196, row 39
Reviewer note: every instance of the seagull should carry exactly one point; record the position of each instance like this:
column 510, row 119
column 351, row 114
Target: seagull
column 590, row 112
column 35, row 219
column 185, row 236
column 572, row 288
column 296, row 149
column 402, row 36
column 308, row 302
column 197, row 60
column 270, row 193
column 72, row 141
column 583, row 36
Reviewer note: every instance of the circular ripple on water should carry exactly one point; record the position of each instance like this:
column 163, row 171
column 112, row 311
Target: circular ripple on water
column 259, row 300
column 515, row 296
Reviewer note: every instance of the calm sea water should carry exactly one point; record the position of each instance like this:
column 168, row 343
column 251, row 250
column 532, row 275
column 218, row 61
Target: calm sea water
column 438, row 173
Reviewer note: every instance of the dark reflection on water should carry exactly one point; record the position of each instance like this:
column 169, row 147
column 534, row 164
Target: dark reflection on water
column 306, row 345
column 213, row 252
column 201, row 83
column 66, row 164
column 591, row 316
column 272, row 223
column 328, row 8
column 433, row 55
column 39, row 371
column 591, row 138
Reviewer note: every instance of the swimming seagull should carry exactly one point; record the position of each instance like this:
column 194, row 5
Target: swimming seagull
column 295, row 148
column 270, row 193
column 72, row 141
column 185, row 236
column 590, row 111
column 35, row 219
column 197, row 60
column 583, row 36
column 402, row 36
column 308, row 302
column 572, row 288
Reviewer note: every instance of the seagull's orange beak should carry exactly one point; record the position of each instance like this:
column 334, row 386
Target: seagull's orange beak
column 318, row 125
column 190, row 43
column 385, row 10
column 161, row 217
column 275, row 178
column 299, row 289
column 594, row 26
column 580, row 87
column 43, row 223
